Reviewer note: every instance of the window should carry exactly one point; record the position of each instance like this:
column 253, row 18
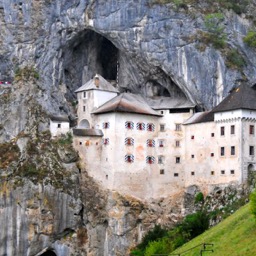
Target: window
column 251, row 129
column 80, row 143
column 84, row 108
column 192, row 137
column 150, row 160
column 129, row 141
column 151, row 143
column 192, row 156
column 84, row 95
column 160, row 159
column 105, row 141
column 177, row 127
column 162, row 171
column 140, row 126
column 222, row 151
column 232, row 171
column 106, row 177
column 222, row 172
column 162, row 127
column 192, row 173
column 177, row 159
column 161, row 143
column 162, row 112
column 212, row 134
column 105, row 125
column 222, row 131
column 232, row 150
column 129, row 158
column 59, row 125
column 232, row 129
column 212, row 172
column 212, row 154
column 129, row 125
column 176, row 174
column 251, row 150
column 177, row 143
column 150, row 127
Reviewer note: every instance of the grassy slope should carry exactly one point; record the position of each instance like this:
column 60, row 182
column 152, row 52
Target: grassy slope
column 235, row 236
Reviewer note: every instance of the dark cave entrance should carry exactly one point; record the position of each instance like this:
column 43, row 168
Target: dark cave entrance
column 49, row 253
column 85, row 55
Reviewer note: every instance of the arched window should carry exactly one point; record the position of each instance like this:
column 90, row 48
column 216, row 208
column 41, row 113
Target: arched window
column 49, row 253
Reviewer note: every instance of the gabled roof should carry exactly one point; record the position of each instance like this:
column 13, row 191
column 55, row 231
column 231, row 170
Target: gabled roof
column 63, row 118
column 104, row 85
column 169, row 103
column 243, row 97
column 129, row 103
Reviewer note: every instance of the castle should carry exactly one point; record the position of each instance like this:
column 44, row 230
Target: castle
column 151, row 148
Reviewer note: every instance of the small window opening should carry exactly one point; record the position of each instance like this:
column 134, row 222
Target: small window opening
column 232, row 150
column 176, row 174
column 84, row 94
column 212, row 172
column 162, row 171
column 222, row 171
column 161, row 143
column 222, row 151
column 192, row 156
column 80, row 143
column 192, row 137
column 84, row 108
column 162, row 112
column 192, row 173
column 59, row 125
column 162, row 127
column 160, row 159
column 212, row 134
column 251, row 150
column 177, row 127
column 177, row 160
column 232, row 129
column 105, row 125
column 251, row 129
column 222, row 131
column 212, row 154
column 150, row 143
column 232, row 171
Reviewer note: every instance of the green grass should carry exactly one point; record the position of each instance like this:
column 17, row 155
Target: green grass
column 235, row 236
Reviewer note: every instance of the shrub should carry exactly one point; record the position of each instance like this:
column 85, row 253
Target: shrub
column 234, row 59
column 250, row 39
column 199, row 197
column 161, row 246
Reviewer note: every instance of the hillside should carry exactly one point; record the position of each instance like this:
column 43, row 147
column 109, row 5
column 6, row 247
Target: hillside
column 234, row 236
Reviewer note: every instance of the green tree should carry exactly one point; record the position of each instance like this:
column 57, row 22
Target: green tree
column 253, row 203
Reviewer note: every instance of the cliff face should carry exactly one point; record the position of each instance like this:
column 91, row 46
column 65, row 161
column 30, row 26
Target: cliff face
column 48, row 48
column 159, row 48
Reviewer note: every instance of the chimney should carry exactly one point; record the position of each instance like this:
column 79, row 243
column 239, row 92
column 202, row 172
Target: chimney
column 97, row 81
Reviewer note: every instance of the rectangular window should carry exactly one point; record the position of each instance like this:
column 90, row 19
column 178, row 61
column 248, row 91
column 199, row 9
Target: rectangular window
column 129, row 125
column 150, row 143
column 160, row 159
column 80, row 143
column 212, row 134
column 84, row 108
column 129, row 158
column 222, row 151
column 84, row 94
column 251, row 129
column 105, row 125
column 140, row 126
column 212, row 154
column 162, row 171
column 192, row 173
column 177, row 127
column 150, row 159
column 162, row 112
column 222, row 131
column 162, row 127
column 150, row 127
column 192, row 137
column 176, row 174
column 177, row 143
column 232, row 129
column 192, row 156
column 105, row 141
column 161, row 143
column 212, row 172
column 129, row 141
column 177, row 159
column 222, row 172
column 59, row 125
column 232, row 171
column 251, row 150
column 232, row 150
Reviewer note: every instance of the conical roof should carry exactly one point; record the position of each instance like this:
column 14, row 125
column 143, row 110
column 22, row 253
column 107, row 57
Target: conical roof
column 129, row 103
column 104, row 85
column 243, row 97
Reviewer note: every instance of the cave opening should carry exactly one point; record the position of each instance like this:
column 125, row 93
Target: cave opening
column 49, row 253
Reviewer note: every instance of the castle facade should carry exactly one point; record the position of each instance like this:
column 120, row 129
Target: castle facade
column 157, row 147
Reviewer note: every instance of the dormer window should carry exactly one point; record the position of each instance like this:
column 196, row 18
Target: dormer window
column 129, row 125
column 105, row 125
column 140, row 126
